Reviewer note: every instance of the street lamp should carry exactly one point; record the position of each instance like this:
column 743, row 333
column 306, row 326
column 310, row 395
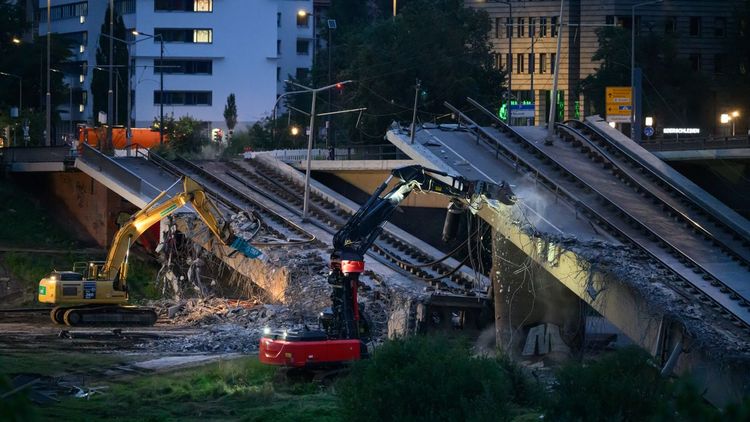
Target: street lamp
column 314, row 92
column 635, row 127
column 161, row 80
column 16, row 40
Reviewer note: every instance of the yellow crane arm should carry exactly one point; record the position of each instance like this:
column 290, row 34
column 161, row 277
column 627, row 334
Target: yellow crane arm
column 116, row 266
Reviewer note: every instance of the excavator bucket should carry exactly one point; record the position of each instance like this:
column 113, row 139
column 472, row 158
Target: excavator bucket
column 241, row 245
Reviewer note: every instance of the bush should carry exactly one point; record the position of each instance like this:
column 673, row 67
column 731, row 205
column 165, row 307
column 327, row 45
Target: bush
column 426, row 379
column 623, row 386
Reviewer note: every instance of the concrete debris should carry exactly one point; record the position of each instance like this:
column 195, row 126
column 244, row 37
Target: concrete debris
column 545, row 339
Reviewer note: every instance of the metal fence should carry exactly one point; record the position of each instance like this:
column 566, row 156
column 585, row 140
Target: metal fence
column 354, row 152
column 687, row 144
column 55, row 154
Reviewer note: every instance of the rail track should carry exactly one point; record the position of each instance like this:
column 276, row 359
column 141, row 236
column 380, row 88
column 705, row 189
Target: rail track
column 709, row 259
column 251, row 185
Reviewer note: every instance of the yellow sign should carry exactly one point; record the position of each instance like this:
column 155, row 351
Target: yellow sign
column 619, row 103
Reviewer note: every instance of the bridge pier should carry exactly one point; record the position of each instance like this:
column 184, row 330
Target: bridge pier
column 532, row 308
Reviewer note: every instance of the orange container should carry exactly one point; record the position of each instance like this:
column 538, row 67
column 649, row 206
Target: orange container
column 143, row 137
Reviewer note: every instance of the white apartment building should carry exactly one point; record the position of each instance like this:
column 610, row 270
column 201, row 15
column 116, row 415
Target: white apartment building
column 211, row 48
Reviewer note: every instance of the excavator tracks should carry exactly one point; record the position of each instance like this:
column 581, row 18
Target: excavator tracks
column 88, row 315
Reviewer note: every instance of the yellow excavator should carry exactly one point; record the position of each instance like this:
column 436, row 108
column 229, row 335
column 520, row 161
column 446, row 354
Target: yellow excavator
column 96, row 292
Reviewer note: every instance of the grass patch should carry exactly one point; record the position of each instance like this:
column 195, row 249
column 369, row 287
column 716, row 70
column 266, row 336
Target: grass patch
column 31, row 227
column 239, row 389
column 49, row 363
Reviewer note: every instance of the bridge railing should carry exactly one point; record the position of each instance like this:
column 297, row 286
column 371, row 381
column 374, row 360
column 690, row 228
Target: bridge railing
column 695, row 144
column 354, row 152
column 115, row 170
column 36, row 154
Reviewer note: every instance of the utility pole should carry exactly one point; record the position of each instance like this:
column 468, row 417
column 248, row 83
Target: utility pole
column 110, row 93
column 553, row 94
column 48, row 140
column 414, row 113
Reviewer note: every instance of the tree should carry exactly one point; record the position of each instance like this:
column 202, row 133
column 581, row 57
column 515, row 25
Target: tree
column 29, row 61
column 100, row 80
column 230, row 114
column 186, row 134
column 441, row 42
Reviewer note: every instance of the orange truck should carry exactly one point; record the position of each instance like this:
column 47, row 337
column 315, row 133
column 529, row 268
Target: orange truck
column 143, row 137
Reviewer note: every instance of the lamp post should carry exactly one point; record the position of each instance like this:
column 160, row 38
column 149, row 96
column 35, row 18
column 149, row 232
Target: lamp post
column 48, row 139
column 735, row 115
column 110, row 98
column 161, row 80
column 314, row 92
column 635, row 127
column 509, row 34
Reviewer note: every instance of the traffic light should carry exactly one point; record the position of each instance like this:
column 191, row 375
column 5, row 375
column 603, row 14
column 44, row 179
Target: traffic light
column 218, row 135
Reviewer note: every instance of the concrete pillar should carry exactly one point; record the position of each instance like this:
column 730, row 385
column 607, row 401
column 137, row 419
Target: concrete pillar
column 527, row 296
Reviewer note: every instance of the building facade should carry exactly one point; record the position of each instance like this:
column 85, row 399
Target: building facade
column 211, row 48
column 524, row 38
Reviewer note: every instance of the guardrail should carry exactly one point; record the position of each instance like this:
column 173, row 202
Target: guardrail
column 354, row 152
column 695, row 144
column 107, row 165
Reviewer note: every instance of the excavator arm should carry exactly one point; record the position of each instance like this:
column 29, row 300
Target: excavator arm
column 116, row 265
column 358, row 234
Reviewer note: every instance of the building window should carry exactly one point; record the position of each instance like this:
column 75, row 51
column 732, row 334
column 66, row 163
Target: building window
column 196, row 36
column 303, row 20
column 532, row 27
column 719, row 60
column 695, row 61
column 184, row 98
column 183, row 5
column 543, row 63
column 79, row 40
column 508, row 28
column 278, row 47
column 278, row 73
column 509, row 62
column 519, row 64
column 552, row 59
column 301, row 73
column 720, row 27
column 609, row 20
column 278, row 20
column 498, row 60
column 670, row 25
column 303, row 47
column 183, row 66
column 520, row 28
column 124, row 7
column 553, row 26
column 64, row 11
column 542, row 27
column 531, row 63
column 498, row 27
column 695, row 26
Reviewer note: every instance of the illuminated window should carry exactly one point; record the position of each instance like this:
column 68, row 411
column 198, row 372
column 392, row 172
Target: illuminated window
column 181, row 35
column 203, row 6
column 183, row 5
column 202, row 36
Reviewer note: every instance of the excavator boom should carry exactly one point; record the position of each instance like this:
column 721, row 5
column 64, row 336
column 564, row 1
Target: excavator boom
column 97, row 292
